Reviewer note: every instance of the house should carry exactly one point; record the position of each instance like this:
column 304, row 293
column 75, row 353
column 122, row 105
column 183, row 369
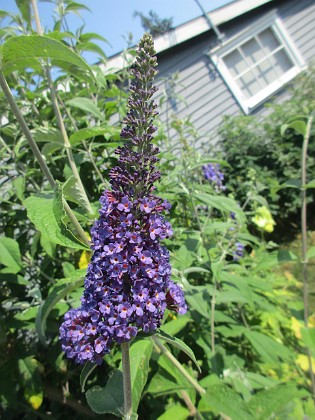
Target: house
column 232, row 60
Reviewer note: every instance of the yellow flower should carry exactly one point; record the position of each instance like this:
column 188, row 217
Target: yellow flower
column 84, row 259
column 302, row 361
column 35, row 400
column 263, row 219
column 296, row 327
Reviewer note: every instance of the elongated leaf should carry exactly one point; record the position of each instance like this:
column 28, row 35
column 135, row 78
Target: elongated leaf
column 47, row 135
column 87, row 133
column 10, row 255
column 46, row 212
column 160, row 385
column 221, row 399
column 140, row 353
column 58, row 292
column 73, row 193
column 176, row 412
column 267, row 403
column 176, row 342
column 311, row 252
column 268, row 349
column 196, row 270
column 225, row 204
column 86, row 105
column 174, row 326
column 23, row 51
column 109, row 399
column 31, row 378
column 299, row 126
column 85, row 373
column 25, row 9
column 310, row 184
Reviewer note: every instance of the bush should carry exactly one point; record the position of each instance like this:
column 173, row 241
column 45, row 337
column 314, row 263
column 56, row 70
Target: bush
column 261, row 158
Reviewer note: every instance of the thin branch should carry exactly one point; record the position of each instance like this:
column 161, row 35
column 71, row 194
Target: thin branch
column 176, row 363
column 60, row 122
column 304, row 240
column 42, row 163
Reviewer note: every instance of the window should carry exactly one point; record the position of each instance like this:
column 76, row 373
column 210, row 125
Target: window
column 258, row 62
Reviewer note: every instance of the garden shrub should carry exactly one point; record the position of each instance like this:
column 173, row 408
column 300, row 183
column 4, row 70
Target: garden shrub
column 258, row 153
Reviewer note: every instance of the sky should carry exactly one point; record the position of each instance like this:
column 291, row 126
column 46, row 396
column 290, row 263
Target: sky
column 114, row 20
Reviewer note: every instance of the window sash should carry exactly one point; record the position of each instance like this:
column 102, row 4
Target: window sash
column 249, row 101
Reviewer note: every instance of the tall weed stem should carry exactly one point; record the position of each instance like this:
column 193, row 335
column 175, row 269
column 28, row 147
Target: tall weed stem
column 304, row 239
column 60, row 122
column 46, row 171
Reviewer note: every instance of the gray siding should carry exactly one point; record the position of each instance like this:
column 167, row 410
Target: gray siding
column 199, row 93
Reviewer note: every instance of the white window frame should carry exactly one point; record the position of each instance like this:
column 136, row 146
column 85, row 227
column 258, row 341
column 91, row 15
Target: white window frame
column 271, row 21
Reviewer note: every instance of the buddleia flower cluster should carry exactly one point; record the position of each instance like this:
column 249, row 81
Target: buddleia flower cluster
column 127, row 286
column 213, row 174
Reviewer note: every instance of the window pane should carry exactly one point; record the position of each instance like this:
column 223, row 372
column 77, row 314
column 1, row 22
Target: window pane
column 268, row 41
column 252, row 51
column 235, row 63
column 267, row 73
column 249, row 84
column 282, row 62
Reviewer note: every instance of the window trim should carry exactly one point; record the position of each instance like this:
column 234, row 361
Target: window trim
column 272, row 21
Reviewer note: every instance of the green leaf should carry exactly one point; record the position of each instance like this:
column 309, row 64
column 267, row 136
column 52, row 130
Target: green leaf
column 311, row 252
column 87, row 105
column 140, row 353
column 266, row 404
column 24, row 51
column 85, row 373
column 87, row 133
column 174, row 326
column 10, row 255
column 308, row 338
column 223, row 400
column 224, row 204
column 47, row 213
column 291, row 183
column 50, row 135
column 310, row 184
column 176, row 342
column 299, row 126
column 87, row 36
column 160, row 385
column 267, row 348
column 30, row 376
column 19, row 187
column 57, row 292
column 196, row 270
column 25, row 10
column 73, row 192
column 109, row 399
column 176, row 412
column 92, row 47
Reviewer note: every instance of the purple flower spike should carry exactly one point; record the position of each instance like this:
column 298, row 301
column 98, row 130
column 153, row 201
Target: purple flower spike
column 127, row 287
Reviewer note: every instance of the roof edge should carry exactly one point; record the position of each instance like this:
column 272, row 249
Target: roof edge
column 191, row 29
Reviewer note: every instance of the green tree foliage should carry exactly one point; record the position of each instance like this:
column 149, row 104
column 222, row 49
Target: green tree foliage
column 154, row 24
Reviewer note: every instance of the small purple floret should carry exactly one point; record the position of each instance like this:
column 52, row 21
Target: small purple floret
column 213, row 174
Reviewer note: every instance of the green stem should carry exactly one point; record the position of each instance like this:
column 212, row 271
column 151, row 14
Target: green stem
column 176, row 363
column 60, row 122
column 304, row 239
column 18, row 115
column 126, row 381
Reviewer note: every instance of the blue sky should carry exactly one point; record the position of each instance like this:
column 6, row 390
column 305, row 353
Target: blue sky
column 113, row 19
